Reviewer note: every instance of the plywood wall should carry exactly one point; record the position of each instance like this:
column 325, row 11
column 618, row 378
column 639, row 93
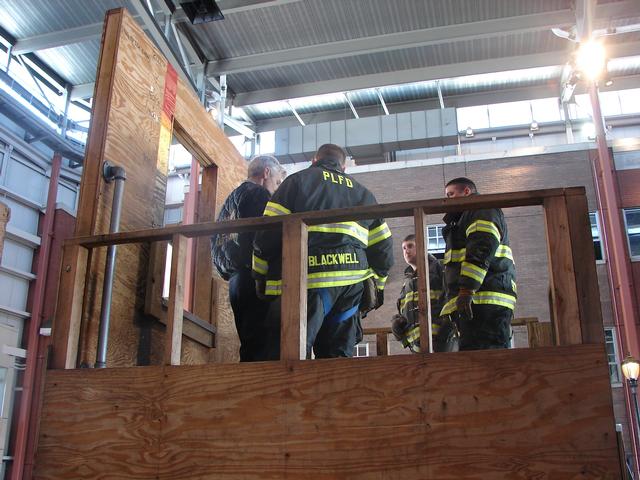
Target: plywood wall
column 139, row 101
column 525, row 413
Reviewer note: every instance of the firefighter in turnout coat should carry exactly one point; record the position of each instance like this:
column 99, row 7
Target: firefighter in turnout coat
column 341, row 255
column 479, row 273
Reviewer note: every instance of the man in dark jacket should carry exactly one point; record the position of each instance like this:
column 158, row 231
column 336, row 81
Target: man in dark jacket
column 342, row 255
column 405, row 324
column 231, row 255
column 479, row 273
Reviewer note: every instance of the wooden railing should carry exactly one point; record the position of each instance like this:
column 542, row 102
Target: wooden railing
column 575, row 300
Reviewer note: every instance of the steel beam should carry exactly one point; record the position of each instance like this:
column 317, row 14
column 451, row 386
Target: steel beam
column 552, row 58
column 155, row 32
column 82, row 91
column 394, row 41
column 58, row 39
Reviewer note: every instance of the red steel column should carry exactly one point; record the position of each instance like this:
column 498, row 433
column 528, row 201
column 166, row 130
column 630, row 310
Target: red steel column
column 618, row 263
column 29, row 378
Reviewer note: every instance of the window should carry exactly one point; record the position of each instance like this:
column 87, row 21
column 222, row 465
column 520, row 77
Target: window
column 511, row 113
column 475, row 117
column 362, row 350
column 612, row 355
column 435, row 241
column 595, row 234
column 632, row 221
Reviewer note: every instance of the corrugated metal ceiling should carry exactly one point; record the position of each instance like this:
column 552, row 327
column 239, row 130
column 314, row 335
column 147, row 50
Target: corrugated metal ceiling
column 313, row 22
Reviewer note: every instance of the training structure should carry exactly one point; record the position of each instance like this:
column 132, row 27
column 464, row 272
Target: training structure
column 529, row 413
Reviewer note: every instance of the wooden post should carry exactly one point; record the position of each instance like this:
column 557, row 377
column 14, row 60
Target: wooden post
column 382, row 344
column 173, row 335
column 584, row 265
column 293, row 332
column 65, row 333
column 204, row 291
column 424, row 300
column 564, row 297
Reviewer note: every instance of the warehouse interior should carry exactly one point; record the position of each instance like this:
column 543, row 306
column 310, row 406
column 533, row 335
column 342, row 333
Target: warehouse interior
column 520, row 96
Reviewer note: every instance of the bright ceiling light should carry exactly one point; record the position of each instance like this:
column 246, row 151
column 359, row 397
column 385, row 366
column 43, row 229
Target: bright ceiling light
column 591, row 59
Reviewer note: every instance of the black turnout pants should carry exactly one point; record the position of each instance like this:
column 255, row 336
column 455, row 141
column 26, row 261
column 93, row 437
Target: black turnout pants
column 489, row 328
column 259, row 337
column 333, row 320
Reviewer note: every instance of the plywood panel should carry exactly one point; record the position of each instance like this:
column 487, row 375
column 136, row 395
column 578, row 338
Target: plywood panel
column 138, row 101
column 527, row 413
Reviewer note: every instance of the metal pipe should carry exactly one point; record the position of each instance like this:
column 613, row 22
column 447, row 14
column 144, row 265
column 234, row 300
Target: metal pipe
column 28, row 381
column 118, row 175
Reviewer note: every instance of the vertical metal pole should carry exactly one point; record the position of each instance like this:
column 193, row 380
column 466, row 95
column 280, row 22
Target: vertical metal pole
column 6, row 67
column 223, row 98
column 613, row 239
column 119, row 176
column 567, row 123
column 65, row 115
column 34, row 325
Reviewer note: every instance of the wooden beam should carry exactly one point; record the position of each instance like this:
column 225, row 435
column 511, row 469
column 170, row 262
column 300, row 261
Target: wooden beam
column 389, row 210
column 584, row 266
column 564, row 304
column 293, row 333
column 382, row 344
column 173, row 335
column 204, row 289
column 424, row 300
column 65, row 332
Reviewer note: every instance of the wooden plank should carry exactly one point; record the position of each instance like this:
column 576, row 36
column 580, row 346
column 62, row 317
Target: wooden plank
column 382, row 344
column 424, row 299
column 203, row 301
column 65, row 331
column 524, row 413
column 584, row 265
column 389, row 210
column 293, row 333
column 173, row 335
column 564, row 296
column 540, row 334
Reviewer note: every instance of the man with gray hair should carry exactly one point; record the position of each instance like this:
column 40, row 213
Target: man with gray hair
column 231, row 254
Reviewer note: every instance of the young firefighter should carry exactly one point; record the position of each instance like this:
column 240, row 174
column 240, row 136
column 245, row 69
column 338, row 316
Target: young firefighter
column 479, row 273
column 405, row 324
column 231, row 254
column 342, row 255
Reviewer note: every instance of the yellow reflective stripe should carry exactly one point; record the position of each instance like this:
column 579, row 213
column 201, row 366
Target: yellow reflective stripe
column 259, row 265
column 273, row 209
column 483, row 226
column 378, row 234
column 454, row 255
column 273, row 287
column 413, row 334
column 483, row 298
column 435, row 294
column 473, row 271
column 337, row 279
column 409, row 297
column 380, row 281
column 353, row 229
column 514, row 287
column 504, row 251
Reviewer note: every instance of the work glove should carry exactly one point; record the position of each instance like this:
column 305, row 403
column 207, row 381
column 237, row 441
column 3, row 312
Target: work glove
column 399, row 325
column 463, row 304
column 368, row 299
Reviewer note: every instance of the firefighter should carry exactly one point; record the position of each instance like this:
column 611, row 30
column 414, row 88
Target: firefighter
column 405, row 324
column 479, row 273
column 341, row 255
column 231, row 254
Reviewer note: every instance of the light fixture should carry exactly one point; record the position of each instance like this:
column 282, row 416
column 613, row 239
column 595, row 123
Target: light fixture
column 591, row 59
column 608, row 82
column 630, row 368
column 202, row 11
column 534, row 127
column 469, row 132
